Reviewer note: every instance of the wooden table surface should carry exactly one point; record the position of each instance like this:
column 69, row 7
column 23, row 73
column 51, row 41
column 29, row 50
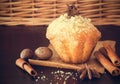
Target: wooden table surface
column 15, row 38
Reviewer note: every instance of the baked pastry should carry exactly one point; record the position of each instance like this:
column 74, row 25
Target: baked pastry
column 73, row 37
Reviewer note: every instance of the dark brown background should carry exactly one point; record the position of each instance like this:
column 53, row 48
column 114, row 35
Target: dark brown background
column 15, row 38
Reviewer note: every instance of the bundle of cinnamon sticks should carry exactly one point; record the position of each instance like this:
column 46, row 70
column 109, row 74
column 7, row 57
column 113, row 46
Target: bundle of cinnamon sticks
column 109, row 59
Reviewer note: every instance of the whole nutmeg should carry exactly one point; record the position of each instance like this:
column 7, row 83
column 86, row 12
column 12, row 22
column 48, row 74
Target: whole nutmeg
column 26, row 53
column 43, row 53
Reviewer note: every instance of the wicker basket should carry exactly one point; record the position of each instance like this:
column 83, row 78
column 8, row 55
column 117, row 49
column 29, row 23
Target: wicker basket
column 42, row 12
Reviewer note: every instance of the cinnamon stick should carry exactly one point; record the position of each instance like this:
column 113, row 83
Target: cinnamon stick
column 112, row 55
column 55, row 64
column 113, row 70
column 25, row 66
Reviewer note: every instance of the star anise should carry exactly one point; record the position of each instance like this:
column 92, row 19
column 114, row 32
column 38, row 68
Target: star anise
column 88, row 72
column 72, row 10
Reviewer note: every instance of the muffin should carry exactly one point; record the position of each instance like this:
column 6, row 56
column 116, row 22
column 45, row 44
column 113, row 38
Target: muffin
column 73, row 37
